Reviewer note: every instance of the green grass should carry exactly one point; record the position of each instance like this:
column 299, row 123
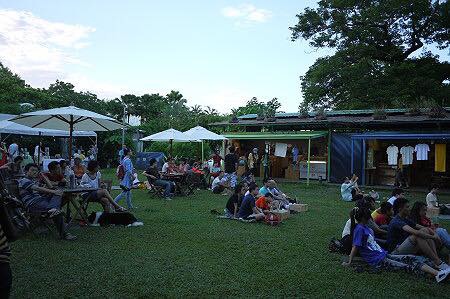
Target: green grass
column 184, row 251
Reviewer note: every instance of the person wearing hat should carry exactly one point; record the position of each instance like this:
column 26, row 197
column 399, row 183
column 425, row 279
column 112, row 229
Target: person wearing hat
column 253, row 161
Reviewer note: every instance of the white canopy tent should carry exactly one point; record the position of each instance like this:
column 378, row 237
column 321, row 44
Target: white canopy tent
column 169, row 135
column 69, row 119
column 200, row 133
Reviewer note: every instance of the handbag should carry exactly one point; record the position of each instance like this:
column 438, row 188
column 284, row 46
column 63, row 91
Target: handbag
column 12, row 219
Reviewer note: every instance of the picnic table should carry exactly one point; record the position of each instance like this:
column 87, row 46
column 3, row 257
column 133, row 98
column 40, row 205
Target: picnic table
column 182, row 185
column 71, row 195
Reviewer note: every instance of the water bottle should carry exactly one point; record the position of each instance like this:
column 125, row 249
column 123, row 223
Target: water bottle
column 72, row 179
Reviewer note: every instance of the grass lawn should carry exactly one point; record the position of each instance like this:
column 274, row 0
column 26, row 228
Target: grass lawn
column 184, row 251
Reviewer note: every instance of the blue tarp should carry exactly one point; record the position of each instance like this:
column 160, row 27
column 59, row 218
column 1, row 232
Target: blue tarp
column 341, row 146
column 143, row 159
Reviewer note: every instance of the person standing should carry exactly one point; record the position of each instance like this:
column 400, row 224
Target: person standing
column 5, row 269
column 127, row 179
column 13, row 151
column 38, row 154
column 3, row 154
column 253, row 159
column 231, row 163
column 122, row 153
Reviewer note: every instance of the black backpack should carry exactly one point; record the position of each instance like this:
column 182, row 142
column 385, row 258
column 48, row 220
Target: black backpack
column 12, row 217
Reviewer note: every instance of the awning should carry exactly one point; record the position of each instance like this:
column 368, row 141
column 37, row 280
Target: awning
column 276, row 135
column 401, row 135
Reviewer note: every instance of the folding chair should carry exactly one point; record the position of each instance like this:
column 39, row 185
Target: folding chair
column 156, row 191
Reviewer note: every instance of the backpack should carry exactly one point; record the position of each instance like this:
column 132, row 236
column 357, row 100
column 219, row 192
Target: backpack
column 12, row 218
column 272, row 219
column 120, row 172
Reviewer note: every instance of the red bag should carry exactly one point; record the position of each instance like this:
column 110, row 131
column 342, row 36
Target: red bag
column 120, row 172
column 272, row 219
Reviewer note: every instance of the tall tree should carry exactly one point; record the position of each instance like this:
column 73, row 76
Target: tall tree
column 375, row 61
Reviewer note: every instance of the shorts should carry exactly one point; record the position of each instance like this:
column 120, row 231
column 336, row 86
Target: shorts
column 91, row 196
column 408, row 247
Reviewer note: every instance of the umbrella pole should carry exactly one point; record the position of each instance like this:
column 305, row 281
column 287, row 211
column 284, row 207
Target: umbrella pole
column 39, row 150
column 70, row 138
column 203, row 156
column 170, row 147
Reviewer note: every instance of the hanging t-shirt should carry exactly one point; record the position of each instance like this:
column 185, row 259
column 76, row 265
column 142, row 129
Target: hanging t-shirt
column 407, row 154
column 440, row 157
column 392, row 152
column 422, row 150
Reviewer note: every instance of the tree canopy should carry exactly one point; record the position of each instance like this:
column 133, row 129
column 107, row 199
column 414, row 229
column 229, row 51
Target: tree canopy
column 375, row 61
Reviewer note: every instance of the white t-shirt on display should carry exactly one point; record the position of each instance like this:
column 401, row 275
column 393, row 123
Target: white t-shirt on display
column 392, row 152
column 407, row 155
column 422, row 151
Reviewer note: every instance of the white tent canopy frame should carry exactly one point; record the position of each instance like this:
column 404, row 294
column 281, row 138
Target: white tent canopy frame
column 169, row 135
column 202, row 134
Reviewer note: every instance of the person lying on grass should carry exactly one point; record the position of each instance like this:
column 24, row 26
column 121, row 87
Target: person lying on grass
column 248, row 209
column 383, row 215
column 363, row 242
column 232, row 207
column 406, row 237
column 419, row 216
column 42, row 200
column 91, row 179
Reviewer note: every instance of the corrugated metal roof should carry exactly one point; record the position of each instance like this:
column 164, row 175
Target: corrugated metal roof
column 275, row 135
column 333, row 113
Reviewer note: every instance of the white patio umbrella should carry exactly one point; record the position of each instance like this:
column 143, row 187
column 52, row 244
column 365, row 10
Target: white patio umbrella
column 202, row 134
column 68, row 119
column 169, row 135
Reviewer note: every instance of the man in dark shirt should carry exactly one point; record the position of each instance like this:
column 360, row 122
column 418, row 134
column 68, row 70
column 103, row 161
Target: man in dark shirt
column 248, row 209
column 404, row 237
column 234, row 202
column 154, row 178
column 231, row 162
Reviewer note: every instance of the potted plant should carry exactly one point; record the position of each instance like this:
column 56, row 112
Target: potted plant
column 321, row 114
column 303, row 110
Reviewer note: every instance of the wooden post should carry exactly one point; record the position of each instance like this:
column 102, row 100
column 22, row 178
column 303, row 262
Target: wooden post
column 309, row 161
column 329, row 156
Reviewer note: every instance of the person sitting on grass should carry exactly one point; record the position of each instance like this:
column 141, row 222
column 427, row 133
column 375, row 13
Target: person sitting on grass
column 154, row 178
column 234, row 202
column 264, row 203
column 78, row 168
column 383, row 215
column 91, row 179
column 248, row 209
column 54, row 177
column 363, row 242
column 419, row 216
column 42, row 200
column 432, row 201
column 349, row 188
column 220, row 184
column 15, row 167
column 406, row 237
column 396, row 193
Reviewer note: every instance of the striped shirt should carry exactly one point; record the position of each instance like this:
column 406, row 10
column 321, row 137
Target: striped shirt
column 5, row 251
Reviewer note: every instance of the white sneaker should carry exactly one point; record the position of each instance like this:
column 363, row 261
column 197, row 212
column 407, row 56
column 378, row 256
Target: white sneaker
column 443, row 266
column 442, row 275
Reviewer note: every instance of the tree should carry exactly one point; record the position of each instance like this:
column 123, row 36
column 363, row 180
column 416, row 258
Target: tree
column 375, row 61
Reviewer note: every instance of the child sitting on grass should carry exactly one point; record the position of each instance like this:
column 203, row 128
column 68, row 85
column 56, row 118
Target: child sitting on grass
column 234, row 202
column 248, row 209
column 383, row 215
column 363, row 241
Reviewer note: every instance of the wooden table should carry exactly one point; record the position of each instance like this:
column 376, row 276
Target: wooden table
column 72, row 199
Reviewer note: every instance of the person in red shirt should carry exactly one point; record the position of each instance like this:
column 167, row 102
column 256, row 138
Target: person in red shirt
column 54, row 177
column 384, row 215
column 264, row 202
